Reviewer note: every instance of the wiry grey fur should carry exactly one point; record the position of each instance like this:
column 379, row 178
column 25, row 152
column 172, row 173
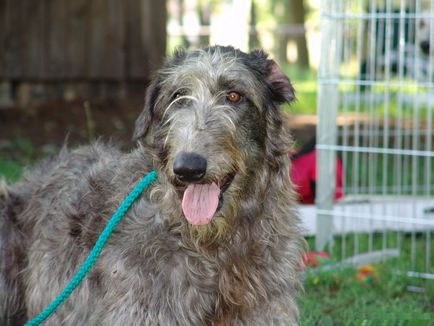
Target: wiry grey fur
column 157, row 269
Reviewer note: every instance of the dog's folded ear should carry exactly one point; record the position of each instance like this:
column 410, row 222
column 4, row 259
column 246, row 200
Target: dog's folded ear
column 280, row 85
column 144, row 121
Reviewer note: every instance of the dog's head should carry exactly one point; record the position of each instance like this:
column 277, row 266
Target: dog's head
column 423, row 34
column 213, row 119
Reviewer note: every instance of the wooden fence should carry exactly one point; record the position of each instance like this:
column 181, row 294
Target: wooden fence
column 81, row 40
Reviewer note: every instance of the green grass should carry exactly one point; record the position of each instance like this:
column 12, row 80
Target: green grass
column 9, row 170
column 397, row 174
column 305, row 84
column 407, row 243
column 335, row 297
column 14, row 154
column 306, row 103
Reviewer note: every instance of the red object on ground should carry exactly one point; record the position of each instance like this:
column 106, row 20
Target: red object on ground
column 303, row 175
column 315, row 258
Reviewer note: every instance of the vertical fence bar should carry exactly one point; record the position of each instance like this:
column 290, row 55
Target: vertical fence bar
column 429, row 183
column 359, row 182
column 415, row 128
column 387, row 77
column 371, row 69
column 343, row 139
column 398, row 125
column 331, row 42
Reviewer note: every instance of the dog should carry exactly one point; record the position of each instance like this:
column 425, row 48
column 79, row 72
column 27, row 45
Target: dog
column 425, row 54
column 423, row 33
column 401, row 43
column 214, row 241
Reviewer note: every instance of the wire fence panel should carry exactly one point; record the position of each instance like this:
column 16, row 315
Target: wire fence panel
column 375, row 113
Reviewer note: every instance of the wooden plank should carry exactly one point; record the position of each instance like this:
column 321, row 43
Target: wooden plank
column 80, row 39
column 114, row 40
column 154, row 33
column 34, row 36
column 14, row 30
column 146, row 42
column 95, row 51
column 106, row 50
column 136, row 56
column 56, row 68
column 3, row 26
column 77, row 39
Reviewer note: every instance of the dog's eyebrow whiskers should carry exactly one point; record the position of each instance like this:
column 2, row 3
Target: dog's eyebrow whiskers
column 168, row 108
column 217, row 96
column 172, row 125
column 188, row 97
column 168, row 134
column 224, row 115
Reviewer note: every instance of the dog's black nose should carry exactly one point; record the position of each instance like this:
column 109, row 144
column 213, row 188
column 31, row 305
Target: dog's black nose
column 189, row 167
column 424, row 45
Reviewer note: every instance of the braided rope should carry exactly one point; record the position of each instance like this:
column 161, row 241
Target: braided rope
column 96, row 250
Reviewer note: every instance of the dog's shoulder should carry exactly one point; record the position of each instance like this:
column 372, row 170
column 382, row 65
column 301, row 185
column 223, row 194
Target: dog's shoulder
column 96, row 174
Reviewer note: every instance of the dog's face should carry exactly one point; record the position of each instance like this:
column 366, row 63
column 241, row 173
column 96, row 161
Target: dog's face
column 423, row 35
column 213, row 118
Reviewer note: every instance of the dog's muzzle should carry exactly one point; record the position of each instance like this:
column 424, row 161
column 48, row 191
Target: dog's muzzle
column 201, row 197
column 424, row 45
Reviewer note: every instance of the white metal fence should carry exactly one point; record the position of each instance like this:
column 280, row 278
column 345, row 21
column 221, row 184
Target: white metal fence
column 376, row 74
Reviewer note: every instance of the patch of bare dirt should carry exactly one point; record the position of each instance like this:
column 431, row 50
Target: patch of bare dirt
column 50, row 124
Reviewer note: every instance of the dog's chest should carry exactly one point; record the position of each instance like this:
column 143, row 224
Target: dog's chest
column 183, row 284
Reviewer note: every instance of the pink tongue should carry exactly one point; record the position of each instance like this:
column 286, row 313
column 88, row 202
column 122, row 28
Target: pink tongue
column 200, row 203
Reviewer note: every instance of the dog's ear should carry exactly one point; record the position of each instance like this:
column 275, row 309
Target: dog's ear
column 281, row 91
column 280, row 85
column 144, row 121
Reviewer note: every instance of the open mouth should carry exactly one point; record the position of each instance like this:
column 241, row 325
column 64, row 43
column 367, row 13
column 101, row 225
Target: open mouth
column 201, row 201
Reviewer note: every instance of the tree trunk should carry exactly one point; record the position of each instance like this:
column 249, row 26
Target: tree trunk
column 204, row 13
column 185, row 41
column 282, row 11
column 254, row 42
column 297, row 11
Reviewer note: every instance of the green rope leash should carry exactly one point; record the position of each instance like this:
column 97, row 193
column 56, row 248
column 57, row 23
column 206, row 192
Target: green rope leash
column 96, row 250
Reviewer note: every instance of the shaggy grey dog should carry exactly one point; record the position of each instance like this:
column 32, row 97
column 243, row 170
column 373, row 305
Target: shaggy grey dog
column 214, row 241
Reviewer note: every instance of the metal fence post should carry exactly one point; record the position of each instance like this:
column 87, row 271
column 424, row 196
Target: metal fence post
column 327, row 107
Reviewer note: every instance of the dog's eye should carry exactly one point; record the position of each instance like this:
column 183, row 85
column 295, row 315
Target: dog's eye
column 233, row 97
column 176, row 95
